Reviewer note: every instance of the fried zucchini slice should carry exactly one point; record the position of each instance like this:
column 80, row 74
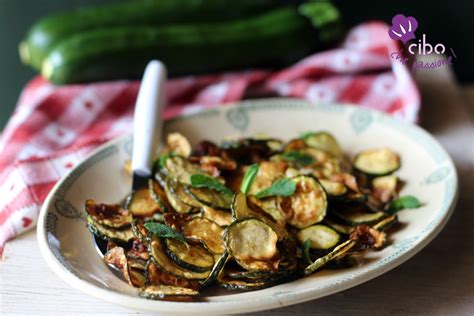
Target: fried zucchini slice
column 340, row 228
column 222, row 218
column 338, row 253
column 268, row 172
column 161, row 292
column 384, row 188
column 322, row 237
column 158, row 194
column 386, row 223
column 253, row 244
column 157, row 276
column 333, row 188
column 137, row 277
column 269, row 205
column 124, row 235
column 357, row 217
column 207, row 232
column 216, row 270
column 180, row 169
column 164, row 262
column 178, row 205
column 111, row 215
column 241, row 211
column 307, row 206
column 323, row 141
column 193, row 257
column 377, row 162
column 142, row 203
column 211, row 198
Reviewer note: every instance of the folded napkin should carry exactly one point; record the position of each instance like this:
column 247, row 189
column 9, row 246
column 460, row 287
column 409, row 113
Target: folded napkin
column 53, row 127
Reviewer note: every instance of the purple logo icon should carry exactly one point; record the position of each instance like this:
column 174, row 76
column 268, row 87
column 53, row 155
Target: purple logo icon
column 403, row 28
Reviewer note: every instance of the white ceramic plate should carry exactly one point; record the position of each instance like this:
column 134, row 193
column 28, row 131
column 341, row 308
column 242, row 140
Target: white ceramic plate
column 69, row 248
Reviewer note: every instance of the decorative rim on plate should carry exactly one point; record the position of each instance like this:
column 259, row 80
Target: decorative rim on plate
column 238, row 116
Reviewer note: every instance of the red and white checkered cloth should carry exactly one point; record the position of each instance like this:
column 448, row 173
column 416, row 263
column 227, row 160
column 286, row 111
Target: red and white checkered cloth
column 53, row 127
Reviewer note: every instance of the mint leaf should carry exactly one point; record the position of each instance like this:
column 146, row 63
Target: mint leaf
column 202, row 181
column 305, row 135
column 306, row 247
column 282, row 187
column 248, row 178
column 404, row 202
column 298, row 157
column 163, row 231
column 161, row 161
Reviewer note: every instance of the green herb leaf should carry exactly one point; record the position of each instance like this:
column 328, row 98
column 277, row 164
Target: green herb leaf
column 248, row 178
column 282, row 187
column 163, row 231
column 306, row 247
column 404, row 202
column 298, row 157
column 202, row 181
column 305, row 135
column 161, row 161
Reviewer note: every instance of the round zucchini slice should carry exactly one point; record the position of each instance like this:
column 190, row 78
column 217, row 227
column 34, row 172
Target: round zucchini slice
column 111, row 215
column 384, row 188
column 107, row 233
column 222, row 218
column 164, row 262
column 323, row 141
column 211, row 198
column 207, row 232
column 178, row 205
column 357, row 217
column 143, row 204
column 157, row 276
column 307, row 206
column 253, row 244
column 270, row 206
column 322, row 237
column 160, row 292
column 180, row 169
column 333, row 188
column 268, row 172
column 193, row 257
column 377, row 162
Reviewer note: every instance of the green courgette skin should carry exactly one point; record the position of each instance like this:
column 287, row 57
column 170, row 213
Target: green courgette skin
column 45, row 34
column 274, row 39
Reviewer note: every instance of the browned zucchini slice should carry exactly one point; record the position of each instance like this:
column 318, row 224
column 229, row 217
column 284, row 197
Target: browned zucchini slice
column 107, row 233
column 321, row 236
column 386, row 223
column 333, row 188
column 357, row 217
column 268, row 172
column 222, row 218
column 164, row 262
column 253, row 244
column 307, row 206
column 377, row 162
column 160, row 292
column 241, row 211
column 111, row 215
column 323, row 141
column 158, row 194
column 384, row 188
column 137, row 277
column 339, row 227
column 178, row 205
column 269, row 205
column 207, row 232
column 178, row 144
column 193, row 257
column 338, row 253
column 180, row 169
column 143, row 204
column 211, row 198
column 157, row 276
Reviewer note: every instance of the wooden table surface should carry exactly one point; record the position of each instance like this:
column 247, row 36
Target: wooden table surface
column 437, row 281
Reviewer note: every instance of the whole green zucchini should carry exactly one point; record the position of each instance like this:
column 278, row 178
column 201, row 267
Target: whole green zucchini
column 273, row 39
column 45, row 34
